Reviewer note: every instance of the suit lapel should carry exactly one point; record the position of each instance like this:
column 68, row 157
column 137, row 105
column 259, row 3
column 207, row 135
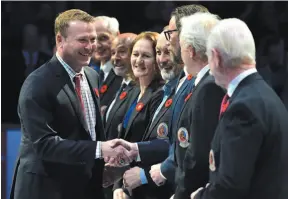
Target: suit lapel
column 116, row 106
column 69, row 89
column 110, row 78
column 193, row 89
column 162, row 111
column 93, row 84
column 145, row 99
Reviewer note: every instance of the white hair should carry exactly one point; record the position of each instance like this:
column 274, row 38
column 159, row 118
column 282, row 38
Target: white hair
column 233, row 41
column 111, row 24
column 196, row 29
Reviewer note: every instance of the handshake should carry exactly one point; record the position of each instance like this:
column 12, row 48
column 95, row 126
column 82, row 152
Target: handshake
column 118, row 152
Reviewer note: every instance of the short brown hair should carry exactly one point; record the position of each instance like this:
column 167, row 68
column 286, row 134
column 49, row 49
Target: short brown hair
column 186, row 10
column 150, row 36
column 63, row 19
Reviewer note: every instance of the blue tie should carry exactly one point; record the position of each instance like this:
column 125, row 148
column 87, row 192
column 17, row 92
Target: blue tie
column 167, row 92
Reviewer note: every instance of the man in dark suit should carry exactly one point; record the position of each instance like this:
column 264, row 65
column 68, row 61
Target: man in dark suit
column 199, row 115
column 114, row 114
column 61, row 147
column 249, row 152
column 107, row 29
column 165, row 171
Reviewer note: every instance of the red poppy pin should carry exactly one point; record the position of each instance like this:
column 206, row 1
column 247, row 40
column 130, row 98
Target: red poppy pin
column 103, row 88
column 224, row 106
column 168, row 103
column 96, row 92
column 123, row 95
column 139, row 106
column 187, row 97
column 189, row 77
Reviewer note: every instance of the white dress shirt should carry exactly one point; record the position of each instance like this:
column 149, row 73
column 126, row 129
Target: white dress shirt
column 113, row 102
column 106, row 68
column 236, row 81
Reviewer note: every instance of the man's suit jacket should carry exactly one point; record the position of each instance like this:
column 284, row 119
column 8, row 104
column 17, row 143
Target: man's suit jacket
column 168, row 166
column 284, row 94
column 108, row 89
column 249, row 152
column 114, row 121
column 57, row 155
column 196, row 126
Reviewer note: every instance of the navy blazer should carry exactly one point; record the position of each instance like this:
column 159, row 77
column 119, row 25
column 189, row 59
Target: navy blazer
column 57, row 156
column 249, row 152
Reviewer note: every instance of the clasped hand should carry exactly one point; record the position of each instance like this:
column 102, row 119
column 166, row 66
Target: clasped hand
column 118, row 152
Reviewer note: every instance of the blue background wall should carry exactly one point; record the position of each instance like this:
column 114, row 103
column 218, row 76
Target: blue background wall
column 13, row 137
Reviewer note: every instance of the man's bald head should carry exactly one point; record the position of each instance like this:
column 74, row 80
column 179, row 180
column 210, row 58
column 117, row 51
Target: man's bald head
column 121, row 52
column 125, row 39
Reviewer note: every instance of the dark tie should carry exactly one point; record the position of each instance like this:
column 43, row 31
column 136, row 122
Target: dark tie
column 77, row 80
column 101, row 73
column 122, row 87
column 224, row 105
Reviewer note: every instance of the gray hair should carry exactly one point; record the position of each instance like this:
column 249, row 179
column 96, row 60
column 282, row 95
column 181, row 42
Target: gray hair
column 233, row 41
column 111, row 23
column 195, row 31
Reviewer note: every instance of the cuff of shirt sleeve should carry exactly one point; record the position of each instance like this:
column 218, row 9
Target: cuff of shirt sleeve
column 98, row 154
column 162, row 174
column 143, row 177
column 138, row 159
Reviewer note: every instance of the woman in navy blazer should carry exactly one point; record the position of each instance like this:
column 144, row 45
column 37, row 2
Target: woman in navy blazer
column 142, row 108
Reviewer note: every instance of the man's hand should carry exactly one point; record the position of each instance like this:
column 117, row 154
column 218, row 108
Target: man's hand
column 131, row 178
column 130, row 153
column 119, row 194
column 196, row 192
column 111, row 151
column 156, row 176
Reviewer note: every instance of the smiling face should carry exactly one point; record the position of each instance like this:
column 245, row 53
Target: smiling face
column 104, row 41
column 167, row 68
column 78, row 45
column 143, row 59
column 120, row 56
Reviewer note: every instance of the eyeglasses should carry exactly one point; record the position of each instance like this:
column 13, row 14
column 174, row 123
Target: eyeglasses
column 168, row 34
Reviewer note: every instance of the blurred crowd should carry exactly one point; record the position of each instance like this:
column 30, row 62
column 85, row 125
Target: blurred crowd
column 28, row 35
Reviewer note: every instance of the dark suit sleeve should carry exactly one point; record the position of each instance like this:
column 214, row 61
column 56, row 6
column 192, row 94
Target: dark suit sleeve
column 202, row 128
column 118, row 185
column 168, row 166
column 35, row 111
column 158, row 147
column 241, row 139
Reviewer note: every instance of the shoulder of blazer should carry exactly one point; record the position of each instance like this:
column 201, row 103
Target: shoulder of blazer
column 91, row 71
column 155, row 85
column 40, row 80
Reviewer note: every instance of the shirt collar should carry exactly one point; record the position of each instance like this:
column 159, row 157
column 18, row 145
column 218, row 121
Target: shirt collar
column 107, row 67
column 126, row 81
column 185, row 71
column 236, row 81
column 69, row 70
column 201, row 74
